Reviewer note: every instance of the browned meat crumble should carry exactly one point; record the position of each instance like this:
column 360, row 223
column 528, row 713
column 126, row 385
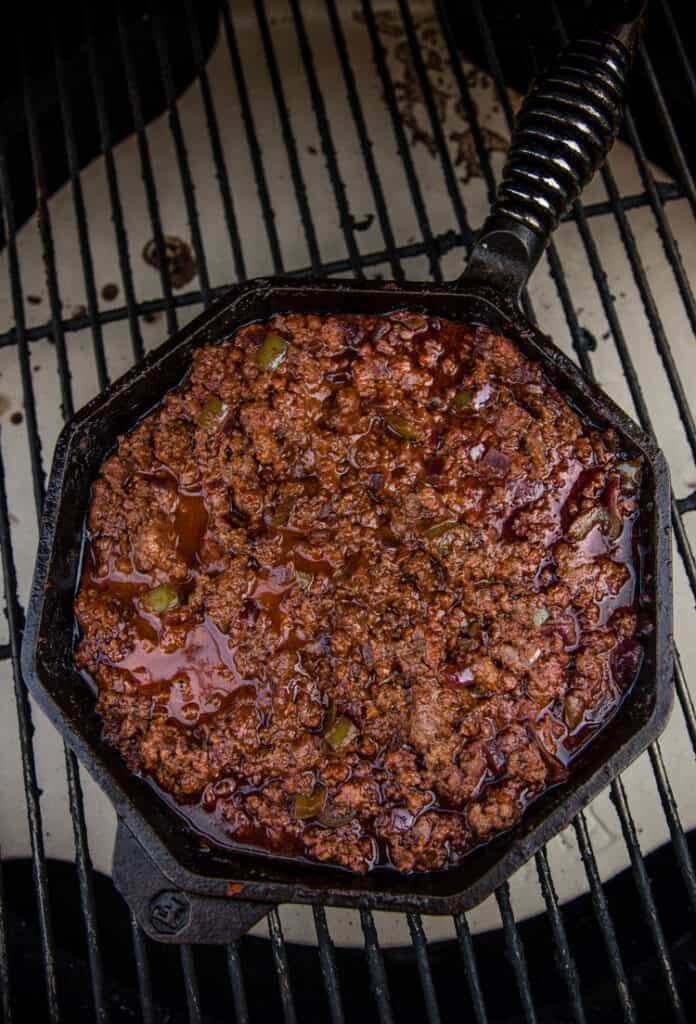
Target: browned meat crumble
column 360, row 588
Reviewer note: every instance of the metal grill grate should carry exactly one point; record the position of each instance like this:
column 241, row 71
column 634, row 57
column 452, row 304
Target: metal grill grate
column 622, row 952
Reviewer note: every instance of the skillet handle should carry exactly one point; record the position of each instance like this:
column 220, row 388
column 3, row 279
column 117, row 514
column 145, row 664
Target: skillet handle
column 565, row 128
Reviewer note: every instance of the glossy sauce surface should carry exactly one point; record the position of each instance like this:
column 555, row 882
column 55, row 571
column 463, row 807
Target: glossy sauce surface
column 364, row 605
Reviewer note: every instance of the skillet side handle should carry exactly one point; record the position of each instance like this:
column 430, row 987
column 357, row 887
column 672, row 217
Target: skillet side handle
column 565, row 128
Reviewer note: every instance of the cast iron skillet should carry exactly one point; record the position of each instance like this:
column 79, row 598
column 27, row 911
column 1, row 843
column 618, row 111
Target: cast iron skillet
column 181, row 892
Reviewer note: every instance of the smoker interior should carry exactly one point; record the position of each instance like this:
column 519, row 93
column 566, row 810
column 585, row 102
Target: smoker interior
column 69, row 947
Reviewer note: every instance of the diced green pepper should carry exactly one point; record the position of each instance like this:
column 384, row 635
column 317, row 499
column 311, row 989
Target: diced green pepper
column 310, row 806
column 540, row 616
column 464, row 398
column 271, row 352
column 161, row 598
column 211, row 412
column 340, row 733
column 440, row 529
column 402, row 427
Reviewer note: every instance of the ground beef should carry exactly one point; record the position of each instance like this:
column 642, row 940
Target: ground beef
column 360, row 588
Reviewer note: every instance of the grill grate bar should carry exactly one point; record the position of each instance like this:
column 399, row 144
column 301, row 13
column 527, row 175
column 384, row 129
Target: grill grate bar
column 146, row 168
column 685, row 699
column 444, row 242
column 289, row 139
column 679, row 47
column 466, row 948
column 675, row 147
column 671, row 812
column 162, row 48
column 327, row 145
column 669, row 804
column 5, row 987
column 515, row 952
column 618, row 796
column 365, row 142
column 684, row 544
column 76, row 803
column 609, row 309
column 420, row 945
column 402, row 142
column 687, row 503
column 112, row 184
column 666, row 190
column 663, row 226
column 280, row 962
column 493, row 61
column 327, row 961
column 15, row 620
column 604, row 920
column 564, row 959
column 28, row 402
column 252, row 139
column 216, row 145
column 80, row 214
column 375, row 966
column 455, row 66
column 436, row 126
column 234, row 969
column 48, row 250
column 193, row 996
column 576, row 334
column 85, row 876
column 142, row 967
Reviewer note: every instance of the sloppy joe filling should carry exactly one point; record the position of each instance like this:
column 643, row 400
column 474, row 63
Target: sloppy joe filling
column 360, row 589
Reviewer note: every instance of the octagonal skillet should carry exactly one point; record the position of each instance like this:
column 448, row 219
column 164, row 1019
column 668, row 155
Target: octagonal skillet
column 181, row 892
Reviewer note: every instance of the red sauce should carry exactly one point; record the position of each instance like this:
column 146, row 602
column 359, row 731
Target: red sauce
column 415, row 603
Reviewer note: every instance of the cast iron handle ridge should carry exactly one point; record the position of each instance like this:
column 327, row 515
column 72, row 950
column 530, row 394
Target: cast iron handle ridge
column 564, row 130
